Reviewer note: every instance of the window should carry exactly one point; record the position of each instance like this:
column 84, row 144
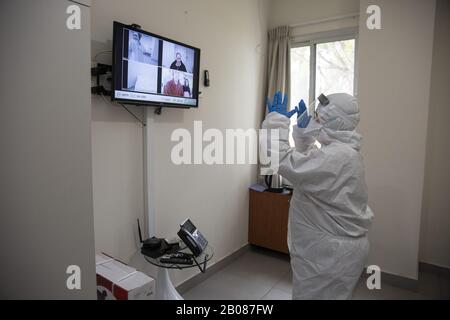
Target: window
column 322, row 66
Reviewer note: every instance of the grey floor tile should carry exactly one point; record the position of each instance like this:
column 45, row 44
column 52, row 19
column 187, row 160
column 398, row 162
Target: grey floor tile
column 260, row 268
column 256, row 262
column 386, row 292
column 233, row 286
column 276, row 294
column 285, row 284
column 251, row 276
column 264, row 275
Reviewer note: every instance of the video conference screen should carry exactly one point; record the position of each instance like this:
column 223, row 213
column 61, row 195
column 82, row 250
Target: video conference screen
column 149, row 69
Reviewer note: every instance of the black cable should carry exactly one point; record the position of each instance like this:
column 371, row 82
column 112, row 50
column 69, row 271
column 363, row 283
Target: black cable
column 136, row 117
column 128, row 110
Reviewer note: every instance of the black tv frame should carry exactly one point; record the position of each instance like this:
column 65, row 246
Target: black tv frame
column 134, row 27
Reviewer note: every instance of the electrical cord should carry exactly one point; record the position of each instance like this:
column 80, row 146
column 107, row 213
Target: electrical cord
column 136, row 117
column 128, row 110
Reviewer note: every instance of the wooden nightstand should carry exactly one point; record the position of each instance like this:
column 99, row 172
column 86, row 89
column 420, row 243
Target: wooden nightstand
column 268, row 220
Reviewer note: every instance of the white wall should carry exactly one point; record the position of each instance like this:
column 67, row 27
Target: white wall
column 394, row 85
column 232, row 37
column 435, row 235
column 46, row 215
column 292, row 12
column 309, row 18
column 117, row 156
column 117, row 163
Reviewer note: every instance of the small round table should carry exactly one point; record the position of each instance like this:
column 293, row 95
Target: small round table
column 165, row 289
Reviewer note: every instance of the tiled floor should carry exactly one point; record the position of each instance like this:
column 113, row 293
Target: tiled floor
column 260, row 274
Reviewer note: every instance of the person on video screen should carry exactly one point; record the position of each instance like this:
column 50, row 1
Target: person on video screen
column 174, row 87
column 141, row 48
column 178, row 63
column 186, row 88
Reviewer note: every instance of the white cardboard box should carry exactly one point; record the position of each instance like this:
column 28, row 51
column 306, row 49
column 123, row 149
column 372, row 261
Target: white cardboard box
column 118, row 281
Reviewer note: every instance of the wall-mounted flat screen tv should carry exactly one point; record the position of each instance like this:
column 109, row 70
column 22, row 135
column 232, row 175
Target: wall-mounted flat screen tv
column 152, row 70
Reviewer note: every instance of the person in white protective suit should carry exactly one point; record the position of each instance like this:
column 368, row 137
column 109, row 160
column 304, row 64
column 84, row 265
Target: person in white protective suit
column 329, row 217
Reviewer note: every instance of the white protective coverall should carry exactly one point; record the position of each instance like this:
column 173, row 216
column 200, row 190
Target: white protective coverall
column 329, row 217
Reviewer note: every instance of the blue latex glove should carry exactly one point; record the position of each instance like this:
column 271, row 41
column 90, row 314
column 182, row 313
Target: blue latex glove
column 280, row 105
column 301, row 107
column 303, row 117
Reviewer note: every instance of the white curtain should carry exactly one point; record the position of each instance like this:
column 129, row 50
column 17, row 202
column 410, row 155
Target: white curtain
column 278, row 66
column 278, row 61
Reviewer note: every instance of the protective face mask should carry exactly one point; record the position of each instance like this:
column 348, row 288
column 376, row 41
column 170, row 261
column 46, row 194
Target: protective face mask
column 313, row 129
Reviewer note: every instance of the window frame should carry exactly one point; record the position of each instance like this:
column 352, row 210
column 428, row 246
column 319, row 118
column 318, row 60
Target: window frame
column 312, row 41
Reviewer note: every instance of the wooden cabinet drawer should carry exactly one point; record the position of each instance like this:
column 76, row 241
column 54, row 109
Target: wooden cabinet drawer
column 268, row 220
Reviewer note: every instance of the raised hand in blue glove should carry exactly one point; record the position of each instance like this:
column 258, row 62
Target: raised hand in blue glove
column 280, row 105
column 303, row 117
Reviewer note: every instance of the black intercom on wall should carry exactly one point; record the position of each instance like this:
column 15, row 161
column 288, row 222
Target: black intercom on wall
column 206, row 80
